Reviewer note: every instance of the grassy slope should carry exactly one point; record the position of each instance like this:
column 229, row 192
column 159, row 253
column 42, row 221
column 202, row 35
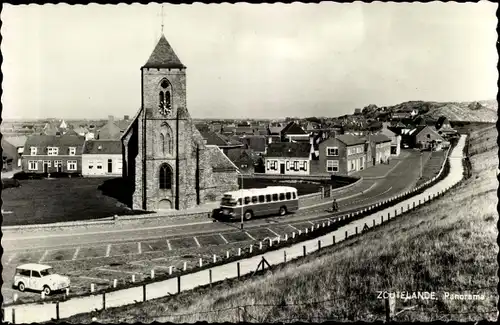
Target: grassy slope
column 449, row 245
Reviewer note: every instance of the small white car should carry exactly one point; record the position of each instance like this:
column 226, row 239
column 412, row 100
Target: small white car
column 40, row 278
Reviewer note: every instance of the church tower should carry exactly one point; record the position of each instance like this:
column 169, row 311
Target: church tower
column 165, row 160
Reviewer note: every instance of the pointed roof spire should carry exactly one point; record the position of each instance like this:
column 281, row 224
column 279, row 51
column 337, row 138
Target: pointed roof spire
column 163, row 56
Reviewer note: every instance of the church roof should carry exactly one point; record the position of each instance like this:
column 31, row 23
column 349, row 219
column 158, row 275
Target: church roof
column 163, row 56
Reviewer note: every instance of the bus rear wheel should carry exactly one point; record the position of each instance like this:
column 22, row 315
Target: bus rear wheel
column 282, row 211
column 248, row 215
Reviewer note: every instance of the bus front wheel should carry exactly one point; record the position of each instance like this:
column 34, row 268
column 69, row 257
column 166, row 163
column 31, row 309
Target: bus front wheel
column 282, row 211
column 248, row 215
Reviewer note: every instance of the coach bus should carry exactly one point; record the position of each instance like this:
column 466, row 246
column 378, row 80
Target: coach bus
column 256, row 202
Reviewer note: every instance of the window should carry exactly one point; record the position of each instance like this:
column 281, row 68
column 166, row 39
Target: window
column 332, row 151
column 165, row 177
column 72, row 165
column 254, row 199
column 91, row 164
column 33, row 151
column 99, row 164
column 268, row 198
column 295, row 165
column 247, row 200
column 332, row 166
column 52, row 151
column 72, row 151
column 47, row 162
column 58, row 164
column 287, row 165
column 32, row 165
column 110, row 165
column 282, row 196
column 303, row 165
column 26, row 273
column 35, row 274
column 353, row 165
column 288, row 195
column 262, row 199
column 275, row 197
column 294, row 195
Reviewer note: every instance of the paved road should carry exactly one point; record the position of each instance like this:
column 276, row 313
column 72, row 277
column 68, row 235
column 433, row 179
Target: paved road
column 402, row 178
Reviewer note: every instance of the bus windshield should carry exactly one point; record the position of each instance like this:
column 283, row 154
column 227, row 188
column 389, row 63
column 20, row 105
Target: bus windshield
column 228, row 201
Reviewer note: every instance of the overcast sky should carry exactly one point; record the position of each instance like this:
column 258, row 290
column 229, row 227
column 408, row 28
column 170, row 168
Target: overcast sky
column 244, row 60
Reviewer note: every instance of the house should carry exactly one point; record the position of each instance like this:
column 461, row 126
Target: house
column 288, row 158
column 395, row 139
column 81, row 131
column 63, row 125
column 244, row 159
column 380, row 149
column 14, row 146
column 102, row 158
column 293, row 131
column 53, row 153
column 274, row 130
column 342, row 155
column 219, row 140
column 444, row 127
column 110, row 131
column 427, row 138
column 257, row 143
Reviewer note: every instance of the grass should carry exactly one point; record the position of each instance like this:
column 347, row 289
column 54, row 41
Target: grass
column 432, row 166
column 446, row 246
column 57, row 200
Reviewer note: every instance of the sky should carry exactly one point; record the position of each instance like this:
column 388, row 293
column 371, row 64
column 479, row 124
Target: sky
column 247, row 60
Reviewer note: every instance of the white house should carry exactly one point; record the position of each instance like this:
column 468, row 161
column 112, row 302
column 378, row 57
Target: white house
column 395, row 139
column 288, row 158
column 102, row 158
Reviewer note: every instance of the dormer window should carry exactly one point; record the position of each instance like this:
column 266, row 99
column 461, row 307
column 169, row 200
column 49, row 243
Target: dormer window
column 72, row 151
column 33, row 151
column 52, row 151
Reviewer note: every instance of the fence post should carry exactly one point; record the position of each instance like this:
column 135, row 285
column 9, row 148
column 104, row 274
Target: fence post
column 328, row 223
column 286, row 237
column 307, row 230
column 356, row 230
column 334, row 239
column 319, row 245
column 373, row 223
column 270, row 242
column 238, row 267
column 185, row 266
column 91, row 288
column 284, row 256
column 179, row 284
column 104, row 300
column 251, row 249
column 201, row 262
column 227, row 254
column 13, row 315
column 144, row 292
column 133, row 278
column 381, row 219
column 388, row 215
column 401, row 209
column 304, row 249
column 322, row 192
column 152, row 274
column 115, row 282
column 260, row 245
column 15, row 297
column 210, row 277
column 239, row 251
column 215, row 258
column 170, row 269
column 57, row 310
column 413, row 204
column 346, row 234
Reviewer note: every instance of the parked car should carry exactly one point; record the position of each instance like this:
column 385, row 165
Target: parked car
column 40, row 278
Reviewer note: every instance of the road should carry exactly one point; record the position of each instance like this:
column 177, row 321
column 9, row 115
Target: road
column 400, row 179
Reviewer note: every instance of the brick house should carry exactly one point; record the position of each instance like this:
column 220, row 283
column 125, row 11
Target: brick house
column 342, row 155
column 395, row 139
column 165, row 159
column 288, row 158
column 13, row 147
column 53, row 153
column 427, row 138
column 110, row 131
column 380, row 149
column 102, row 158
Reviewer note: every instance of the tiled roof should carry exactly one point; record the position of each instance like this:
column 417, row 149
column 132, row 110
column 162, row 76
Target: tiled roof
column 239, row 155
column 212, row 138
column 163, row 56
column 293, row 128
column 350, row 139
column 123, row 124
column 257, row 143
column 288, row 149
column 378, row 138
column 110, row 131
column 275, row 129
column 218, row 160
column 63, row 142
column 102, row 147
column 18, row 141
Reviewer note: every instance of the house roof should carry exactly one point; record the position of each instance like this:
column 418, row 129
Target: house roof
column 163, row 56
column 213, row 138
column 378, row 138
column 63, row 142
column 350, row 140
column 110, row 131
column 218, row 160
column 123, row 124
column 255, row 142
column 275, row 129
column 288, row 149
column 18, row 141
column 110, row 147
column 238, row 155
column 293, row 128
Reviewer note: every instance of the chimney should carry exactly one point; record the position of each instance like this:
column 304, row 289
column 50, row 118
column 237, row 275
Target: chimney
column 126, row 117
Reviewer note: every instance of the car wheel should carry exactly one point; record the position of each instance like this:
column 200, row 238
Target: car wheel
column 248, row 215
column 46, row 290
column 21, row 286
column 282, row 211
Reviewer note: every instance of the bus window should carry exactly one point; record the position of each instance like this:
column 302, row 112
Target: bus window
column 247, row 200
column 294, row 195
column 239, row 201
column 254, row 199
column 268, row 198
column 275, row 197
column 282, row 196
column 288, row 195
column 262, row 199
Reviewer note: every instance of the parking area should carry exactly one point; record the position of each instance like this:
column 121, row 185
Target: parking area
column 120, row 263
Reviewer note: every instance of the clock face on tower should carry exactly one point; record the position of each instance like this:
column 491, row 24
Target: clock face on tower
column 164, row 108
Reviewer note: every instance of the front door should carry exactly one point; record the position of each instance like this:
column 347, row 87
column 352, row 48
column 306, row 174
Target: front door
column 35, row 281
column 59, row 167
column 282, row 168
column 45, row 168
column 110, row 166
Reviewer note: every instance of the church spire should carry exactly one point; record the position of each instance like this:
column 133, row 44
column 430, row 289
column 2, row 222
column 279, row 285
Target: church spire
column 163, row 56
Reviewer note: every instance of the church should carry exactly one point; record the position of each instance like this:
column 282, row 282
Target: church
column 165, row 159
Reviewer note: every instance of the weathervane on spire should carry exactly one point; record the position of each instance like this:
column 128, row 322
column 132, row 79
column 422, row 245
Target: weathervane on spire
column 162, row 16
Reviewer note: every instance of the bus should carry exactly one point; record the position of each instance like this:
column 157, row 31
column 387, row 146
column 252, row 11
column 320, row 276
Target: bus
column 256, row 202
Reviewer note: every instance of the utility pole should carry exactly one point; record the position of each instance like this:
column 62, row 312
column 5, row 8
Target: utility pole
column 241, row 225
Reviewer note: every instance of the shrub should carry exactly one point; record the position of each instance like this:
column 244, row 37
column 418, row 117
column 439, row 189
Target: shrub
column 10, row 182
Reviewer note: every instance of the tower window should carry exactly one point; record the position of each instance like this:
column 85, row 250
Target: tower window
column 165, row 177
